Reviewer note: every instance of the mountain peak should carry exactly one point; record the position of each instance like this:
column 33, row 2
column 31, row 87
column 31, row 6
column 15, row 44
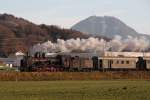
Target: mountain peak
column 102, row 17
column 108, row 26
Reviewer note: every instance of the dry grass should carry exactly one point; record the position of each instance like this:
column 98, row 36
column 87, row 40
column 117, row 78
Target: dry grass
column 45, row 76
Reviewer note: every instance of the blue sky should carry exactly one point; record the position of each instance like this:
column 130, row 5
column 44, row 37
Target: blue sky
column 65, row 13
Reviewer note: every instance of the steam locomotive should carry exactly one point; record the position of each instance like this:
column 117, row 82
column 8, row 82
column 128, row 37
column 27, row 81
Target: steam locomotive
column 81, row 62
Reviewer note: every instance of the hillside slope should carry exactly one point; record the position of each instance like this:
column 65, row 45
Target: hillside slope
column 19, row 34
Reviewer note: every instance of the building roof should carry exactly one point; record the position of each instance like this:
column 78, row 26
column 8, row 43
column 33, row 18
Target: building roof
column 19, row 53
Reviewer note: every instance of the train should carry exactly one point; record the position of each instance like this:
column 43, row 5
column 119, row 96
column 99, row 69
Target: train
column 81, row 62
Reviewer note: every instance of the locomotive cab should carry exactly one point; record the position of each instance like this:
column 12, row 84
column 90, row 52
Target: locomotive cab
column 141, row 64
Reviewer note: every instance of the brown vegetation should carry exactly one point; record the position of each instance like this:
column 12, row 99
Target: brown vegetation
column 20, row 34
column 49, row 76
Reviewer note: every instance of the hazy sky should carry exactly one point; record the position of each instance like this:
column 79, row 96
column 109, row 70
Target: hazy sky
column 65, row 13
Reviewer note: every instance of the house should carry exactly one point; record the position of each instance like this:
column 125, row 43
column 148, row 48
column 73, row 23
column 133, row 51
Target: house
column 7, row 62
column 19, row 56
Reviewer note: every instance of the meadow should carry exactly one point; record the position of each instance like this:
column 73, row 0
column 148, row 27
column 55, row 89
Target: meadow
column 75, row 90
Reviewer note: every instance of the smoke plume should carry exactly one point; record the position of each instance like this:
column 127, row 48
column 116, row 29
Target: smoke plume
column 94, row 45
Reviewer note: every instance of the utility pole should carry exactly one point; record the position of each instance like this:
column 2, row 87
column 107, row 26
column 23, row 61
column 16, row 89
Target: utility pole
column 103, row 56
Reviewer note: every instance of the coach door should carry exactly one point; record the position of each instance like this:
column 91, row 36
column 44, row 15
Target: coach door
column 95, row 63
column 109, row 64
column 100, row 64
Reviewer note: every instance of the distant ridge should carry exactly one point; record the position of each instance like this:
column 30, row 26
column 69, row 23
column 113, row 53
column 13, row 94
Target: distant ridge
column 106, row 26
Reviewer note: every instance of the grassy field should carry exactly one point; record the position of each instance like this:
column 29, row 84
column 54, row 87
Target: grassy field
column 75, row 90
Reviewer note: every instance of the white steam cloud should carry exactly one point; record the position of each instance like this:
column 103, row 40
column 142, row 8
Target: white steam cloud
column 94, row 45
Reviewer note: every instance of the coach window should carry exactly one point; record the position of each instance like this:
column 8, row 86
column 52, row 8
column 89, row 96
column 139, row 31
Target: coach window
column 122, row 62
column 127, row 62
column 117, row 62
column 147, row 61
